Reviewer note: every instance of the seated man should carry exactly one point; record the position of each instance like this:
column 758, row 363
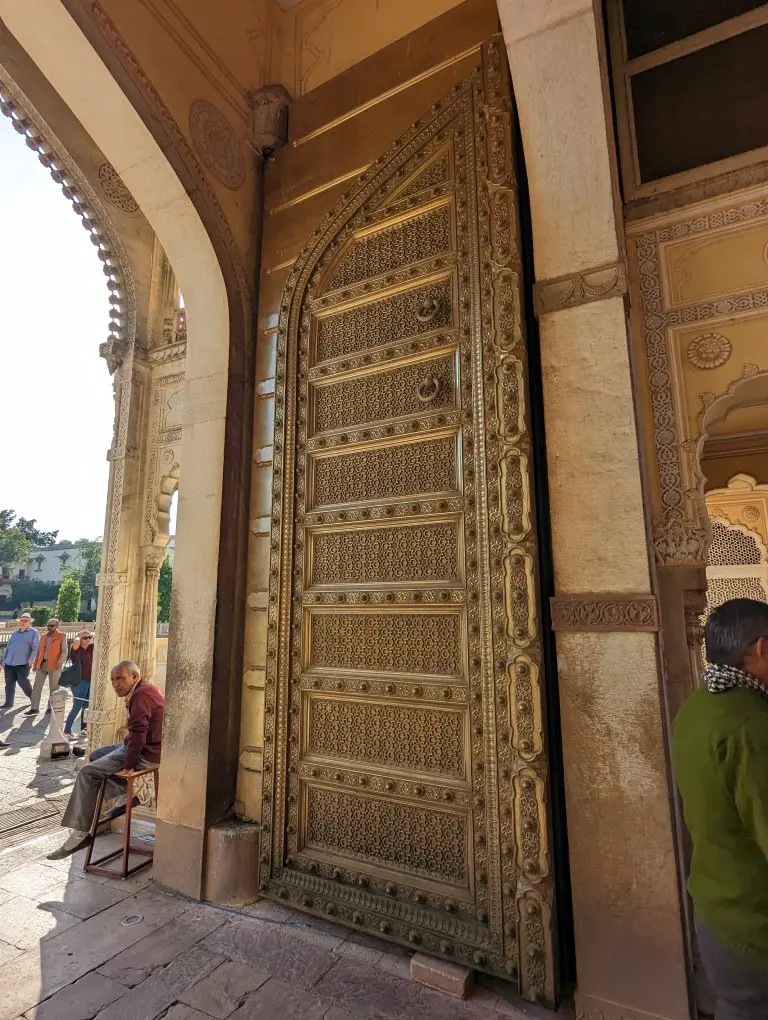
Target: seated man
column 141, row 747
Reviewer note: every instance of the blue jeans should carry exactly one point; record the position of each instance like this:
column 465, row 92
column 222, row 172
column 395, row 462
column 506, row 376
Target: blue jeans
column 80, row 692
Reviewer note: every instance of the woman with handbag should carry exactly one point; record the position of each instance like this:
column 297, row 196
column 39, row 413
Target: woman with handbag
column 81, row 655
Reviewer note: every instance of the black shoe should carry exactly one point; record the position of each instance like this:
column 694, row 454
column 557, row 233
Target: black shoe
column 3, row 744
column 32, row 711
column 68, row 849
column 79, row 752
column 3, row 707
column 118, row 811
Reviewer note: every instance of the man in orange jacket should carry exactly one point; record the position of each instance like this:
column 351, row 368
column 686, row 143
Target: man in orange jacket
column 51, row 656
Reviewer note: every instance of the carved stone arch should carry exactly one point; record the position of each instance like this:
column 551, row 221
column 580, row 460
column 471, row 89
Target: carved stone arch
column 401, row 347
column 740, row 393
column 52, row 153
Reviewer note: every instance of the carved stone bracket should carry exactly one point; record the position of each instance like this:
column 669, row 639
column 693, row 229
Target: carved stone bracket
column 610, row 611
column 269, row 119
column 580, row 288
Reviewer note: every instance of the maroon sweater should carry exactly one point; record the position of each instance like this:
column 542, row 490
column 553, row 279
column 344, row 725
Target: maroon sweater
column 85, row 657
column 145, row 724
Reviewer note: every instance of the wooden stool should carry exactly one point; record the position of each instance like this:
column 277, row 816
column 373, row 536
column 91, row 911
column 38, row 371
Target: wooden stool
column 127, row 849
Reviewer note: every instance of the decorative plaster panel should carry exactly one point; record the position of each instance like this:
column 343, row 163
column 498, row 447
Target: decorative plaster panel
column 605, row 612
column 697, row 353
column 580, row 288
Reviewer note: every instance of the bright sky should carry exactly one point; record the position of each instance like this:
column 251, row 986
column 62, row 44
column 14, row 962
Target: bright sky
column 55, row 391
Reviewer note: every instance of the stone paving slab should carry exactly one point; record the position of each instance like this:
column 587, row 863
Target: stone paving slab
column 84, row 899
column 183, row 1012
column 278, row 999
column 159, row 992
column 157, row 950
column 78, row 1001
column 33, row 880
column 225, row 989
column 299, row 963
column 62, row 959
column 8, row 952
column 65, row 955
column 25, row 924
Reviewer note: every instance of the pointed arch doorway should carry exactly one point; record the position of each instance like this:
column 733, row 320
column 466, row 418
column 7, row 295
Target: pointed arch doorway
column 405, row 762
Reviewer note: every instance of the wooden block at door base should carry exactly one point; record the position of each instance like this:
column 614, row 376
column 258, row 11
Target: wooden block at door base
column 442, row 975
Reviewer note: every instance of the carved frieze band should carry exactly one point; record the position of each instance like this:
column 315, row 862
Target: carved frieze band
column 605, row 612
column 170, row 352
column 580, row 288
column 111, row 578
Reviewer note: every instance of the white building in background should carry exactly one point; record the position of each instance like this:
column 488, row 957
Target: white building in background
column 45, row 564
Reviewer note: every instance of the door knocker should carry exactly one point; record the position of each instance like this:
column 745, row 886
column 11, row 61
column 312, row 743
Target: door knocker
column 428, row 388
column 427, row 310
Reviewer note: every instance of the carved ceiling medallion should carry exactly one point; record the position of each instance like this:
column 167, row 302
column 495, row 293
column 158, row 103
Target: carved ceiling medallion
column 709, row 350
column 115, row 190
column 217, row 143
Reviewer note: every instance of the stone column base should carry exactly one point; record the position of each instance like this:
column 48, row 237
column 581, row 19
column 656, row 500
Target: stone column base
column 589, row 1008
column 232, row 864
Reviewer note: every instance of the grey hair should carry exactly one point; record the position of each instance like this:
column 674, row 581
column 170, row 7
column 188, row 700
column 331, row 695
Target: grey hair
column 733, row 628
column 130, row 665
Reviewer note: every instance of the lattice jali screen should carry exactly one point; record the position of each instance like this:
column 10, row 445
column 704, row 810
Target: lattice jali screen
column 721, row 589
column 733, row 546
column 738, row 566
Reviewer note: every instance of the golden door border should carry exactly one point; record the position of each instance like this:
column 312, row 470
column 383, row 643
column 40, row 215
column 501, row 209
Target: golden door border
column 519, row 880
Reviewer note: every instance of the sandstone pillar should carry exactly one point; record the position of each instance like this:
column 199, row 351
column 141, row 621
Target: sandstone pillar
column 115, row 580
column 269, row 108
column 630, row 954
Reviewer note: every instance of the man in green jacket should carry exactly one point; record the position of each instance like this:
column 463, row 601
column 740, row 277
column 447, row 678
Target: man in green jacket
column 720, row 758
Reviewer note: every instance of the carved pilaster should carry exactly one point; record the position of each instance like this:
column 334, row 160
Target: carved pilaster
column 153, row 560
column 694, row 607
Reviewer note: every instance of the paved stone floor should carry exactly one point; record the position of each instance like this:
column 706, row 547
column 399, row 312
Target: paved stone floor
column 77, row 947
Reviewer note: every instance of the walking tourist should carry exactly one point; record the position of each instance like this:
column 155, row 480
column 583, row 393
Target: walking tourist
column 19, row 658
column 720, row 757
column 51, row 656
column 141, row 746
column 82, row 652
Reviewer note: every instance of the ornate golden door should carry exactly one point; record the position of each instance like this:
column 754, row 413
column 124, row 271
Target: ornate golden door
column 405, row 785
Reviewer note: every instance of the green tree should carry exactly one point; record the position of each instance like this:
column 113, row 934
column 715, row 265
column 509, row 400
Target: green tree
column 15, row 547
column 68, row 602
column 88, row 566
column 40, row 615
column 28, row 528
column 25, row 592
column 164, row 586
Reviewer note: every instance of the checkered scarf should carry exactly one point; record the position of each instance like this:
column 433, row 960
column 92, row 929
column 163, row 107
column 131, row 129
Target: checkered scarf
column 719, row 678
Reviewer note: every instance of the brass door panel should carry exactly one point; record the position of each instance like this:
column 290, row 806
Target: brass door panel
column 405, row 315
column 405, row 389
column 405, row 767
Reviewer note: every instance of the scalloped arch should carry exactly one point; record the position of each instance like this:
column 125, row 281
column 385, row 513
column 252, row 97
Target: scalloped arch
column 29, row 123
